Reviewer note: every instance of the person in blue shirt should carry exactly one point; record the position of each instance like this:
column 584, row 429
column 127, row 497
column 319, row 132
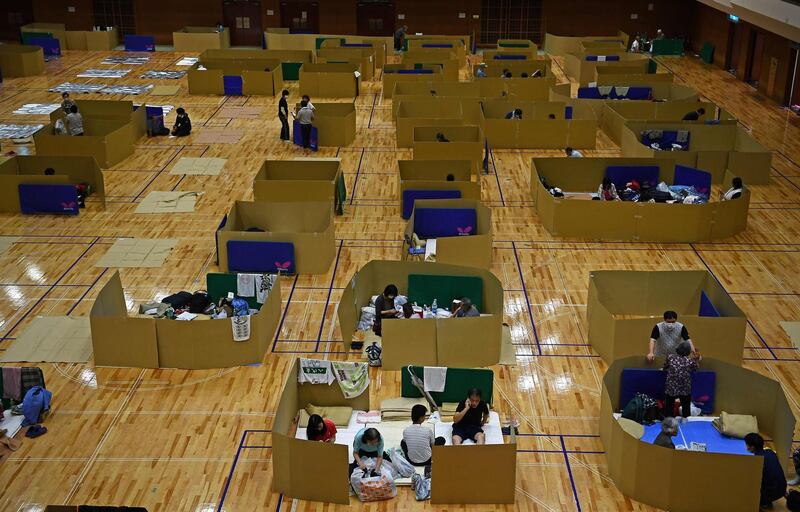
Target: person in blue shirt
column 773, row 480
column 515, row 114
column 368, row 443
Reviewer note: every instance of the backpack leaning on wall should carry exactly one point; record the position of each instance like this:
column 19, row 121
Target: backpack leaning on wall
column 642, row 409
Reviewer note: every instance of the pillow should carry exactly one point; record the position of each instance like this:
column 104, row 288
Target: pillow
column 736, row 425
column 302, row 420
column 340, row 416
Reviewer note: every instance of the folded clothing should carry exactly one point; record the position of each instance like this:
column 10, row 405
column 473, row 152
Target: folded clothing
column 736, row 425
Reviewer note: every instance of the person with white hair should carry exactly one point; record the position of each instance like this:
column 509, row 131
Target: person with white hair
column 669, row 429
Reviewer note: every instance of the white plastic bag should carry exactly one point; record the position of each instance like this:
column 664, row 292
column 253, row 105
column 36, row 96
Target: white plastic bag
column 422, row 487
column 696, row 411
column 373, row 488
column 402, row 468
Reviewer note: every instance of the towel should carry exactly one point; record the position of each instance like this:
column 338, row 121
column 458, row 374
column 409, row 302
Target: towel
column 263, row 285
column 353, row 378
column 241, row 327
column 315, row 371
column 605, row 90
column 622, row 92
column 434, row 378
column 246, row 285
column 12, row 383
column 368, row 417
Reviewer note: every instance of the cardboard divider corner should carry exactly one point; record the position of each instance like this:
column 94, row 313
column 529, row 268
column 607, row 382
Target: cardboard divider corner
column 300, row 180
column 144, row 342
column 261, row 72
column 391, row 77
column 278, row 39
column 585, row 71
column 561, row 45
column 458, row 342
column 330, row 80
column 363, row 57
column 624, row 220
column 20, row 60
column 659, row 476
column 433, row 111
column 623, row 307
column 466, row 143
column 432, row 175
column 495, row 68
column 200, row 39
column 616, row 114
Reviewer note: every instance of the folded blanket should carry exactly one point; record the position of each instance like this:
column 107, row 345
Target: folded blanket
column 368, row 417
column 736, row 425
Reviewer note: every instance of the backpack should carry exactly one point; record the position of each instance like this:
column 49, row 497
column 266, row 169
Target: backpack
column 793, row 501
column 178, row 300
column 374, row 354
column 199, row 302
column 642, row 409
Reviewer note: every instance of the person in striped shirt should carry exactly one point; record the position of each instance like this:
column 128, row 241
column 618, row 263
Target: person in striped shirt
column 418, row 439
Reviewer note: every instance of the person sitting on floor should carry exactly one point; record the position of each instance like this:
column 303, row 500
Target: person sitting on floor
column 669, row 429
column 608, row 191
column 450, row 177
column 418, row 439
column 466, row 309
column 49, row 171
column 773, row 480
column 320, row 429
column 515, row 114
column 74, row 121
column 573, row 153
column 505, row 73
column 524, row 75
column 666, row 336
column 551, row 117
column 384, row 307
column 441, row 138
column 183, row 125
column 735, row 192
column 368, row 443
column 694, row 115
column 481, row 71
column 678, row 384
column 471, row 415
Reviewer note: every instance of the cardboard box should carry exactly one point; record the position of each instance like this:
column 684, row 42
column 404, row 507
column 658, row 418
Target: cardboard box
column 460, row 45
column 108, row 141
column 584, row 71
column 124, row 111
column 18, row 60
column 291, row 181
column 443, row 58
column 335, row 123
column 456, row 342
column 432, row 175
column 714, row 148
column 200, row 39
column 433, row 111
column 623, row 307
column 617, row 113
column 496, row 68
column 363, row 56
column 330, row 80
column 261, row 72
column 728, row 482
column 466, row 143
column 562, row 45
column 19, row 170
column 535, row 130
column 308, row 226
column 394, row 74
column 93, row 40
column 474, row 250
column 146, row 342
column 623, row 220
column 54, row 30
column 414, row 91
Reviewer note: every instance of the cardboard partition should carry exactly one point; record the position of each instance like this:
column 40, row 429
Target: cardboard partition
column 514, row 45
column 432, row 175
column 509, row 55
column 290, row 60
column 444, row 58
column 474, row 250
column 20, row 170
column 292, row 181
column 147, row 342
column 308, row 226
column 18, row 60
column 433, row 111
column 480, row 337
column 623, row 220
column 466, row 143
column 617, row 113
column 561, row 45
column 624, row 306
column 281, row 40
column 496, row 68
column 413, row 91
column 330, row 80
column 262, row 73
column 123, row 111
column 714, row 148
column 459, row 45
column 55, row 30
column 459, row 464
column 601, row 47
column 620, row 75
column 365, row 55
column 200, row 39
column 335, row 123
column 394, row 74
column 584, row 71
column 108, row 141
column 659, row 476
column 536, row 130
column 310, row 470
column 92, row 40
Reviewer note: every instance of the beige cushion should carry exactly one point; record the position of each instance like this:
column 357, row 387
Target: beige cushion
column 340, row 416
column 401, row 404
column 631, row 427
column 736, row 425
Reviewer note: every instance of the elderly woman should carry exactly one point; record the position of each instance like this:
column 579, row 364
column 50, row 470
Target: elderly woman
column 669, row 429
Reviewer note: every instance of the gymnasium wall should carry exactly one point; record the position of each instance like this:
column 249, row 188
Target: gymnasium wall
column 582, row 18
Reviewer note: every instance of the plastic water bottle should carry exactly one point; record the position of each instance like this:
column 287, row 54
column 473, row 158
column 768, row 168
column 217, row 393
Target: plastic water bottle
column 434, row 307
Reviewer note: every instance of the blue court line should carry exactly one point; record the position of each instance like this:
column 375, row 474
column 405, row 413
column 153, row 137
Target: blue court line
column 527, row 301
column 87, row 292
column 283, row 317
column 571, row 478
column 330, row 290
column 355, row 182
column 180, row 148
column 497, row 178
column 230, row 475
column 374, row 100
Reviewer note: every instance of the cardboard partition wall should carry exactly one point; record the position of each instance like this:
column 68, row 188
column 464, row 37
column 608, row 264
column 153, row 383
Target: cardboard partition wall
column 124, row 111
column 433, row 175
column 414, row 91
column 433, row 111
column 307, row 226
column 584, row 71
column 601, row 47
column 330, row 80
column 147, row 342
column 515, row 45
column 394, row 74
column 497, row 68
column 93, row 40
column 713, row 148
column 365, row 56
column 459, row 45
column 465, row 143
column 446, row 60
column 577, row 216
column 378, row 45
column 54, row 30
column 310, row 470
column 659, row 476
column 562, row 45
column 660, row 91
column 536, row 130
column 619, row 75
column 624, row 306
column 292, row 181
column 473, row 249
column 278, row 40
column 24, row 170
column 20, row 60
column 335, row 123
column 108, row 141
column 533, row 89
column 200, row 39
column 261, row 73
column 457, row 342
column 617, row 113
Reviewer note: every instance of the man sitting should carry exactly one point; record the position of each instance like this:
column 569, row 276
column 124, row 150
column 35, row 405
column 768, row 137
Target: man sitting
column 773, row 480
column 515, row 114
column 418, row 439
column 466, row 309
column 470, row 417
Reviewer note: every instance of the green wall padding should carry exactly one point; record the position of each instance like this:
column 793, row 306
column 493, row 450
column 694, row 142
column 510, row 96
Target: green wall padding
column 667, row 47
column 707, row 53
column 459, row 380
column 513, row 45
column 218, row 285
column 423, row 288
column 291, row 70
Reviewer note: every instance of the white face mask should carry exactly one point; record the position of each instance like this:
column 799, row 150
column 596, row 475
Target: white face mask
column 670, row 327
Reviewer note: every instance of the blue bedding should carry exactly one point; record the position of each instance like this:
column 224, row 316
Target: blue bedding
column 40, row 198
column 260, row 257
column 411, row 195
column 441, row 222
column 700, row 432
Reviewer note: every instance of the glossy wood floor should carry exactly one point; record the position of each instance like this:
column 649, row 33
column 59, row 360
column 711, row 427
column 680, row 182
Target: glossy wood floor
column 174, row 440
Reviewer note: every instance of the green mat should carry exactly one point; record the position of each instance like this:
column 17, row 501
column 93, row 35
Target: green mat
column 219, row 285
column 321, row 40
column 291, row 70
column 513, row 45
column 459, row 380
column 341, row 195
column 707, row 53
column 423, row 288
column 667, row 47
column 27, row 36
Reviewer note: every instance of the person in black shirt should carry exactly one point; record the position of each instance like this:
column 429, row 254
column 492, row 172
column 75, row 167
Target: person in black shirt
column 471, row 415
column 283, row 115
column 399, row 38
column 773, row 480
column 183, row 126
column 695, row 115
column 384, row 307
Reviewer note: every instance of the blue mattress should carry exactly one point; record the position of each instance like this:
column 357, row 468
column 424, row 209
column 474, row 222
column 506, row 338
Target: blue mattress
column 700, row 432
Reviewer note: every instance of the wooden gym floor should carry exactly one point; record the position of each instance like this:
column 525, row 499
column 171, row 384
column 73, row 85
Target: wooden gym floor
column 174, row 440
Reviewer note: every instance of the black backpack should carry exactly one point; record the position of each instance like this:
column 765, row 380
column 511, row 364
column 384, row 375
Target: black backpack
column 642, row 409
column 178, row 300
column 199, row 302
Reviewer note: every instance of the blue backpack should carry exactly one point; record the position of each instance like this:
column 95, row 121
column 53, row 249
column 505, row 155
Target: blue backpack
column 35, row 403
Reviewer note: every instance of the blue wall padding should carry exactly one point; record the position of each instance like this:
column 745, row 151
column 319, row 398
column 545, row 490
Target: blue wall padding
column 509, row 57
column 134, row 43
column 609, row 58
column 411, row 195
column 622, row 174
column 40, row 198
column 568, row 112
column 436, row 222
column 707, row 307
column 232, row 85
column 50, row 45
column 437, row 45
column 700, row 180
column 260, row 257
column 651, row 382
column 413, row 71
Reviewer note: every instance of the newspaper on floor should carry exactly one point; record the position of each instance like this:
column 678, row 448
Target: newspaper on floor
column 37, row 109
column 128, row 61
column 164, row 75
column 126, row 89
column 18, row 131
column 103, row 73
column 187, row 61
column 71, row 87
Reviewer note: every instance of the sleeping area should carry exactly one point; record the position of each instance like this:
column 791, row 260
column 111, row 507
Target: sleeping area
column 435, row 179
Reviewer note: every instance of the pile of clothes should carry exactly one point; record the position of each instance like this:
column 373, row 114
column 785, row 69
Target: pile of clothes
column 404, row 310
column 662, row 193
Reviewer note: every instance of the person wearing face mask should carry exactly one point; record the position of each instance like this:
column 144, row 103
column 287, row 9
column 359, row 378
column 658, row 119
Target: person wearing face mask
column 667, row 335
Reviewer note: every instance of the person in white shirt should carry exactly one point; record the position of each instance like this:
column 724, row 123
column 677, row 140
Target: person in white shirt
column 306, row 117
column 573, row 153
column 636, row 45
column 735, row 192
column 418, row 439
column 74, row 121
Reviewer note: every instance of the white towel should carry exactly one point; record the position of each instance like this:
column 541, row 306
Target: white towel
column 241, row 328
column 434, row 377
column 622, row 91
column 246, row 285
column 263, row 284
column 601, row 58
column 315, row 371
